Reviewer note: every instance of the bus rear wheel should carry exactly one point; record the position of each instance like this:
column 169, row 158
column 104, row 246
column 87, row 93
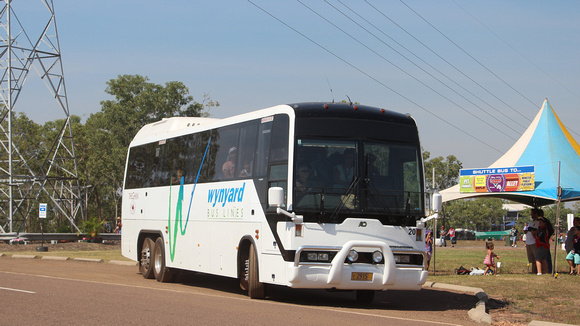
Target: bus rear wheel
column 256, row 289
column 146, row 262
column 162, row 273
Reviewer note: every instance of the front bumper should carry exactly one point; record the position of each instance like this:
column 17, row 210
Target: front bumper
column 338, row 274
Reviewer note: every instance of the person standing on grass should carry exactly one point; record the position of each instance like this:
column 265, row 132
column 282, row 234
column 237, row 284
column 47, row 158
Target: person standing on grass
column 569, row 243
column 428, row 247
column 442, row 235
column 531, row 248
column 573, row 257
column 514, row 236
column 451, row 233
column 543, row 247
column 489, row 260
column 550, row 234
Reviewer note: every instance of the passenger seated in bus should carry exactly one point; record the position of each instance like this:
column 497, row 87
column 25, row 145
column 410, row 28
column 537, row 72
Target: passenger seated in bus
column 344, row 171
column 229, row 167
column 372, row 165
column 246, row 170
column 302, row 181
column 176, row 178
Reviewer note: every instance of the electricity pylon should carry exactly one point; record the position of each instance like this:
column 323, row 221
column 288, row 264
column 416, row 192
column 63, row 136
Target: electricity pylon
column 39, row 170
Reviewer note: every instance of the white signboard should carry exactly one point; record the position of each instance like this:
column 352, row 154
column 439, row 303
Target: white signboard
column 42, row 211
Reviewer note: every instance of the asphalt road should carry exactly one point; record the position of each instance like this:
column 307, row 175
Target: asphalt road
column 35, row 291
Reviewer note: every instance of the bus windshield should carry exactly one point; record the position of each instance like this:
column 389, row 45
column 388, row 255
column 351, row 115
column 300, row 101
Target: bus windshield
column 339, row 178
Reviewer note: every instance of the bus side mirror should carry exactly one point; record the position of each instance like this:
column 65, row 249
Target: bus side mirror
column 276, row 197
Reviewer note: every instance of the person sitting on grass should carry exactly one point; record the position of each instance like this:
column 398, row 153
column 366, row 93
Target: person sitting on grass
column 489, row 260
column 573, row 257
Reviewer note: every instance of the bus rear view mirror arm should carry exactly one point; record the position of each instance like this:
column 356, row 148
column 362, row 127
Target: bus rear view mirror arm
column 276, row 199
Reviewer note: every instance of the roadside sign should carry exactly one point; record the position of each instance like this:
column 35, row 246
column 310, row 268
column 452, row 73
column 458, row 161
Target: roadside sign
column 42, row 210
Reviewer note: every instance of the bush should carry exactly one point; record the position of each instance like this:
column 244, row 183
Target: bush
column 92, row 227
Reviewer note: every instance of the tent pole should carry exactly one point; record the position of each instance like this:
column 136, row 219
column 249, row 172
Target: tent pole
column 557, row 231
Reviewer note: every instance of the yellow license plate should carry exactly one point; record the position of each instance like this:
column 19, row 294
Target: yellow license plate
column 358, row 276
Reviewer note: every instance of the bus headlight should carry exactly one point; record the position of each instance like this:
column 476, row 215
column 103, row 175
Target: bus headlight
column 377, row 257
column 352, row 256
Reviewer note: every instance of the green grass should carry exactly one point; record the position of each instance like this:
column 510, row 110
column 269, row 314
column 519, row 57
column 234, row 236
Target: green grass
column 530, row 297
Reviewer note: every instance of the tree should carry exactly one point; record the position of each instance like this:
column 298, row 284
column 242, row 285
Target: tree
column 576, row 207
column 446, row 170
column 109, row 132
column 474, row 214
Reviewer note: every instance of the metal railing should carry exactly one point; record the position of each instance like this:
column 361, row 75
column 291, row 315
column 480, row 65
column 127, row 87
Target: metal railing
column 55, row 236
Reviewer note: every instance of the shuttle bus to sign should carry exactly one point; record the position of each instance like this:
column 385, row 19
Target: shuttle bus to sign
column 309, row 195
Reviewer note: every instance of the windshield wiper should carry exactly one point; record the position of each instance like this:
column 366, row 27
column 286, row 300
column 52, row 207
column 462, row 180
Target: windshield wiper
column 344, row 197
column 407, row 209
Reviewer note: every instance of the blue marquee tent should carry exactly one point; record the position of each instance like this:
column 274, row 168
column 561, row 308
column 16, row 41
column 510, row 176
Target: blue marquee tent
column 549, row 147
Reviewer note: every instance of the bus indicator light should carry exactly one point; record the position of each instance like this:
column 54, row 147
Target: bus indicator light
column 298, row 232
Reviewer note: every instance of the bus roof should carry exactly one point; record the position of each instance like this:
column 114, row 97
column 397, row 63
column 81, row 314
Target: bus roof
column 350, row 111
column 169, row 127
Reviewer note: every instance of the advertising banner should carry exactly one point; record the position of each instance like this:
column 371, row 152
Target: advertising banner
column 518, row 178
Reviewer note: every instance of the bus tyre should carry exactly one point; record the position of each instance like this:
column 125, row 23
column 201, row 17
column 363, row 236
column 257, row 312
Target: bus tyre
column 162, row 273
column 256, row 289
column 365, row 296
column 146, row 262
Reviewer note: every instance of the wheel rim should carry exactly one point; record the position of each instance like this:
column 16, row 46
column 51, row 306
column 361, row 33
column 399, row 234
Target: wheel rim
column 157, row 261
column 146, row 257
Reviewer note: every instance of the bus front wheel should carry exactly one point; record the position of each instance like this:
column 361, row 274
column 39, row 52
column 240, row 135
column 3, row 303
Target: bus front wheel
column 256, row 289
column 162, row 273
column 146, row 262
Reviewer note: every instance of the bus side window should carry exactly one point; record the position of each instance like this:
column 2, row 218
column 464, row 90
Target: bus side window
column 136, row 169
column 279, row 144
column 263, row 150
column 226, row 141
column 279, row 177
column 195, row 148
column 247, row 149
column 278, row 174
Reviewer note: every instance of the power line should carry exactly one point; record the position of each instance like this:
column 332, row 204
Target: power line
column 508, row 127
column 405, row 72
column 446, row 61
column 469, row 55
column 520, row 53
column 370, row 76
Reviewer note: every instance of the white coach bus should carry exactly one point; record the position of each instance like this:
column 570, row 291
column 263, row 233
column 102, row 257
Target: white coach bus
column 309, row 195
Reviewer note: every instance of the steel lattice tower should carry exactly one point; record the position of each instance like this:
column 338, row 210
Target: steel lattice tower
column 30, row 172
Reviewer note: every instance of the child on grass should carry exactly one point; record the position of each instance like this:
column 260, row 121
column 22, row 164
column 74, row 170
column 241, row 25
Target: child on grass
column 489, row 260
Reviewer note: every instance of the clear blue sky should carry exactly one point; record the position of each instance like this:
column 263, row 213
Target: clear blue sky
column 467, row 67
